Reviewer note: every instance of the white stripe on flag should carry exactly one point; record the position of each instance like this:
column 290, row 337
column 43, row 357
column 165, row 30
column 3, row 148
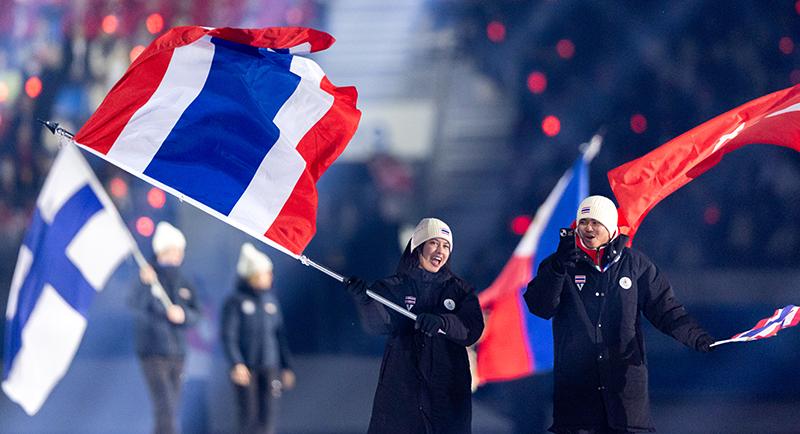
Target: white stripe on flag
column 49, row 341
column 277, row 175
column 24, row 261
column 66, row 177
column 790, row 317
column 99, row 247
column 186, row 75
column 527, row 246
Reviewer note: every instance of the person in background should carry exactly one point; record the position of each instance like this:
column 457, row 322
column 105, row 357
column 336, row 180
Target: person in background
column 595, row 289
column 255, row 343
column 164, row 305
column 424, row 384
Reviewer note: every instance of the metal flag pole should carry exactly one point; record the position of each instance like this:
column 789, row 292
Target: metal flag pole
column 158, row 290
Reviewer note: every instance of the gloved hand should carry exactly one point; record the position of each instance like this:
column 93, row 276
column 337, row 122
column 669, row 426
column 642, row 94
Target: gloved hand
column 429, row 323
column 704, row 343
column 357, row 289
column 567, row 253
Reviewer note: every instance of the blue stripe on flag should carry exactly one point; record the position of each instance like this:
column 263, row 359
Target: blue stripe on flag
column 214, row 150
column 48, row 245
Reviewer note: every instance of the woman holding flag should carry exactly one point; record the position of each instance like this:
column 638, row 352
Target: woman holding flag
column 424, row 384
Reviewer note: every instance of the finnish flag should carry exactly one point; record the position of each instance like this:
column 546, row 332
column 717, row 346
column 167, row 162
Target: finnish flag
column 75, row 241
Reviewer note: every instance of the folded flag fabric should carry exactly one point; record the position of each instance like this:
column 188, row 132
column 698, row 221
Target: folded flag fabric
column 516, row 343
column 233, row 121
column 768, row 327
column 74, row 243
column 641, row 184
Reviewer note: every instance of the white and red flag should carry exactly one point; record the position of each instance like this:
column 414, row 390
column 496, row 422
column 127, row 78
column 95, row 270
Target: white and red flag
column 641, row 184
column 234, row 122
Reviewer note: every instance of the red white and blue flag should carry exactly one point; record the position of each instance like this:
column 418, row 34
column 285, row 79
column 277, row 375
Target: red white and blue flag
column 516, row 343
column 768, row 327
column 232, row 121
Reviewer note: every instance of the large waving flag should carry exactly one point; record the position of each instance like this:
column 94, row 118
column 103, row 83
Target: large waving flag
column 234, row 122
column 74, row 243
column 641, row 184
column 515, row 343
column 785, row 317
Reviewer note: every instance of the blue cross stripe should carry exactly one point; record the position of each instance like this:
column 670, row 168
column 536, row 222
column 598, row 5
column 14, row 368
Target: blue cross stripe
column 48, row 245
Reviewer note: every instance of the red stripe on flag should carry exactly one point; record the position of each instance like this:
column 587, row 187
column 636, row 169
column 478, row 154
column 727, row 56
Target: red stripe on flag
column 323, row 143
column 503, row 351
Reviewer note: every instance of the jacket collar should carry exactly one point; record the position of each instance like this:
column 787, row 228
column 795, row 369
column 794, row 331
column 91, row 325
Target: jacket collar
column 609, row 254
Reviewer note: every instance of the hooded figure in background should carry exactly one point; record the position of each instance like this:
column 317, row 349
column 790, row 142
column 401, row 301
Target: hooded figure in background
column 162, row 314
column 255, row 343
column 595, row 289
column 424, row 384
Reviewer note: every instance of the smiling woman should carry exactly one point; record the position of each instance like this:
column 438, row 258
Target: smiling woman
column 424, row 384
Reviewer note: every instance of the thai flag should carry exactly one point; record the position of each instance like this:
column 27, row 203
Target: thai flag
column 74, row 243
column 516, row 343
column 768, row 327
column 234, row 122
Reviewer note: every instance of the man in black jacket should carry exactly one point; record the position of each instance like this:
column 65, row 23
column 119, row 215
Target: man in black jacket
column 594, row 288
column 162, row 315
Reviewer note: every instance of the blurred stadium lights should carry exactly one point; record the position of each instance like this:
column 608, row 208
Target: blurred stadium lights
column 110, row 24
column 496, row 31
column 154, row 23
column 33, row 87
column 638, row 123
column 537, row 82
column 551, row 126
column 145, row 226
column 712, row 214
column 156, row 198
column 118, row 187
column 520, row 223
column 135, row 52
column 786, row 45
column 565, row 49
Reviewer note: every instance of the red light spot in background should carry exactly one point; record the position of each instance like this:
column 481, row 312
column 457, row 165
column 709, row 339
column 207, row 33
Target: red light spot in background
column 145, row 226
column 118, row 187
column 154, row 23
column 551, row 126
column 33, row 87
column 519, row 224
column 156, row 198
column 496, row 31
column 565, row 48
column 638, row 123
column 711, row 215
column 136, row 51
column 537, row 82
column 797, row 7
column 110, row 24
column 786, row 45
column 294, row 16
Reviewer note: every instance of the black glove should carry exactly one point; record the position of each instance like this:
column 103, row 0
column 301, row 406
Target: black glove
column 704, row 343
column 357, row 289
column 429, row 323
column 567, row 254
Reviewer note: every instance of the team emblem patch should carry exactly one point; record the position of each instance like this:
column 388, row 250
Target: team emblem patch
column 410, row 301
column 449, row 304
column 625, row 282
column 248, row 307
column 270, row 308
column 580, row 280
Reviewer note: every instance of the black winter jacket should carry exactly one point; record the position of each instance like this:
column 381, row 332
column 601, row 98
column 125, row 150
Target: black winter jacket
column 600, row 365
column 155, row 335
column 252, row 329
column 424, row 384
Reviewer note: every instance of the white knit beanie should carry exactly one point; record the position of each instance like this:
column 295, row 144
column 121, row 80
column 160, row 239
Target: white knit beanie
column 429, row 228
column 167, row 236
column 252, row 261
column 601, row 209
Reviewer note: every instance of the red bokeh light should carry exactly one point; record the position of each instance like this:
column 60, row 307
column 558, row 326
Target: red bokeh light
column 118, row 187
column 551, row 126
column 520, row 223
column 294, row 16
column 136, row 51
column 156, row 197
column 786, row 45
column 145, row 226
column 33, row 87
column 797, row 7
column 638, row 123
column 712, row 215
column 565, row 49
column 3, row 91
column 537, row 82
column 110, row 24
column 496, row 31
column 154, row 23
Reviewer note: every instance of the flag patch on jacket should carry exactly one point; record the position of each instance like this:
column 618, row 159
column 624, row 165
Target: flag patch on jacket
column 580, row 280
column 410, row 301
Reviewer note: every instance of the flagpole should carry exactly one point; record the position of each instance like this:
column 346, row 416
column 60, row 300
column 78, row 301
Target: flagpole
column 68, row 138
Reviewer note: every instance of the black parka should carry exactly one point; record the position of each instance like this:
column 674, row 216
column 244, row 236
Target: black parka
column 600, row 370
column 424, row 384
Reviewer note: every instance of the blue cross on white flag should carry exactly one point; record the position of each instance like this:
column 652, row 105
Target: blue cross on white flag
column 75, row 241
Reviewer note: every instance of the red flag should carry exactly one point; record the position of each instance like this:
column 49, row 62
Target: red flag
column 640, row 184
